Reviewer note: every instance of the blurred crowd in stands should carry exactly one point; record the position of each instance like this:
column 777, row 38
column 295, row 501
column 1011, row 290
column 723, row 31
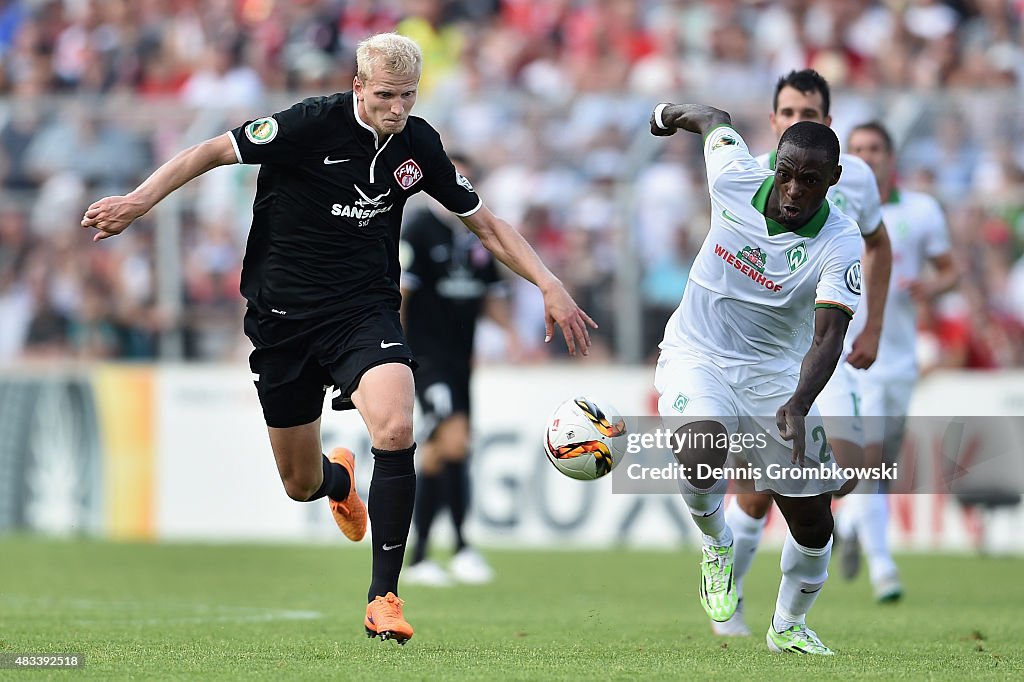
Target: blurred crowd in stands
column 550, row 98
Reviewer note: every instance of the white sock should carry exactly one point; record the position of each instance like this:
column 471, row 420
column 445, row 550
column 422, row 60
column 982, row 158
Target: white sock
column 804, row 571
column 746, row 533
column 706, row 509
column 848, row 515
column 873, row 532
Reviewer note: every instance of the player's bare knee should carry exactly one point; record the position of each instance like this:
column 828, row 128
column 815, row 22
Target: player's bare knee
column 873, row 455
column 848, row 454
column 812, row 532
column 452, row 438
column 430, row 459
column 809, row 518
column 300, row 487
column 754, row 505
column 394, row 432
column 848, row 487
column 699, row 449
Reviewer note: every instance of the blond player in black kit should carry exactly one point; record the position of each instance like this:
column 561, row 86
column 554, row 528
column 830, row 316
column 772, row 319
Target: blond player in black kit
column 320, row 276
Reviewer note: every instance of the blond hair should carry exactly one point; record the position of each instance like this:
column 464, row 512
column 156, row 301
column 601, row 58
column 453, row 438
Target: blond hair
column 389, row 52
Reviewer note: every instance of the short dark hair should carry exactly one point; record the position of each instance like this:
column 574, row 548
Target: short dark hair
column 879, row 129
column 811, row 135
column 806, row 81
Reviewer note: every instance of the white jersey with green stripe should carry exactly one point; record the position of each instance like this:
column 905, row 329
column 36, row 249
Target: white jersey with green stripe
column 753, row 287
column 917, row 229
column 856, row 193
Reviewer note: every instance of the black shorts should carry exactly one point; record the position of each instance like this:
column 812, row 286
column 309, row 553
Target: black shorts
column 295, row 361
column 441, row 393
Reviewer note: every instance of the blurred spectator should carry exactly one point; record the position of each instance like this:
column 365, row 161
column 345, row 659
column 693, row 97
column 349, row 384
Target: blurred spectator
column 92, row 334
column 93, row 147
column 23, row 124
column 429, row 23
column 662, row 287
column 224, row 80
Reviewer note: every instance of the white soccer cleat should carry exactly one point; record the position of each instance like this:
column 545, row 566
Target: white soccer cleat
column 427, row 573
column 889, row 589
column 734, row 627
column 469, row 566
column 849, row 555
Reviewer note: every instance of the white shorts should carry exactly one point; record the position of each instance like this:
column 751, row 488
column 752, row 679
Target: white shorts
column 692, row 388
column 884, row 405
column 839, row 404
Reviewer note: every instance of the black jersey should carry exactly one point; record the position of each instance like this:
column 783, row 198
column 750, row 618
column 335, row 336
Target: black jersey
column 448, row 272
column 328, row 206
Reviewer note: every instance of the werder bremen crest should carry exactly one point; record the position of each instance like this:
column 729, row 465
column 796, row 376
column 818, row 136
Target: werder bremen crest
column 796, row 256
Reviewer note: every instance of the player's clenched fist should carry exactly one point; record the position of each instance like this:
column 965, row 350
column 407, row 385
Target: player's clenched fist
column 112, row 215
column 658, row 126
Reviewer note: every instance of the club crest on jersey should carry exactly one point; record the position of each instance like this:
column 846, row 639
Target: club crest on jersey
column 839, row 199
column 853, row 278
column 408, row 174
column 753, row 256
column 724, row 141
column 796, row 256
column 463, row 181
column 262, row 130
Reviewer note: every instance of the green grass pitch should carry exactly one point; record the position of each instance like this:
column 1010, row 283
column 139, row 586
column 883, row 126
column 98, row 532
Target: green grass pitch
column 273, row 612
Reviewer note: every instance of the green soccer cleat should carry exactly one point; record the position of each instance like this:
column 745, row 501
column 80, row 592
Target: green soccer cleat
column 798, row 639
column 718, row 592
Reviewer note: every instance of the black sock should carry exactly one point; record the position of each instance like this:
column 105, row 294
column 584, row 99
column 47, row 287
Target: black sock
column 429, row 493
column 456, row 476
column 336, row 482
column 392, row 494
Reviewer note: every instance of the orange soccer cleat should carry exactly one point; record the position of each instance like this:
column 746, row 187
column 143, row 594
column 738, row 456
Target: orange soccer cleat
column 350, row 513
column 384, row 619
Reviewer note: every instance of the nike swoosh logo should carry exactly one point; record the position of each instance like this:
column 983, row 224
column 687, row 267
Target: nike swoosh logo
column 388, row 345
column 328, row 160
column 810, row 591
column 387, row 548
column 730, row 217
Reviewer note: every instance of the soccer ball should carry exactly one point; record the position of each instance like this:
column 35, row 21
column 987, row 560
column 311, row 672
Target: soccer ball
column 585, row 439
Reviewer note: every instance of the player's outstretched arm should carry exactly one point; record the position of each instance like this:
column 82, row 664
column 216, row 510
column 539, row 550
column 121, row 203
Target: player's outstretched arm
column 509, row 247
column 820, row 361
column 945, row 279
column 110, row 216
column 877, row 267
column 695, row 118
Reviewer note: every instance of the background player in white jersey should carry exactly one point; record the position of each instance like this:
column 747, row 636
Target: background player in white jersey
column 759, row 332
column 919, row 238
column 805, row 96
